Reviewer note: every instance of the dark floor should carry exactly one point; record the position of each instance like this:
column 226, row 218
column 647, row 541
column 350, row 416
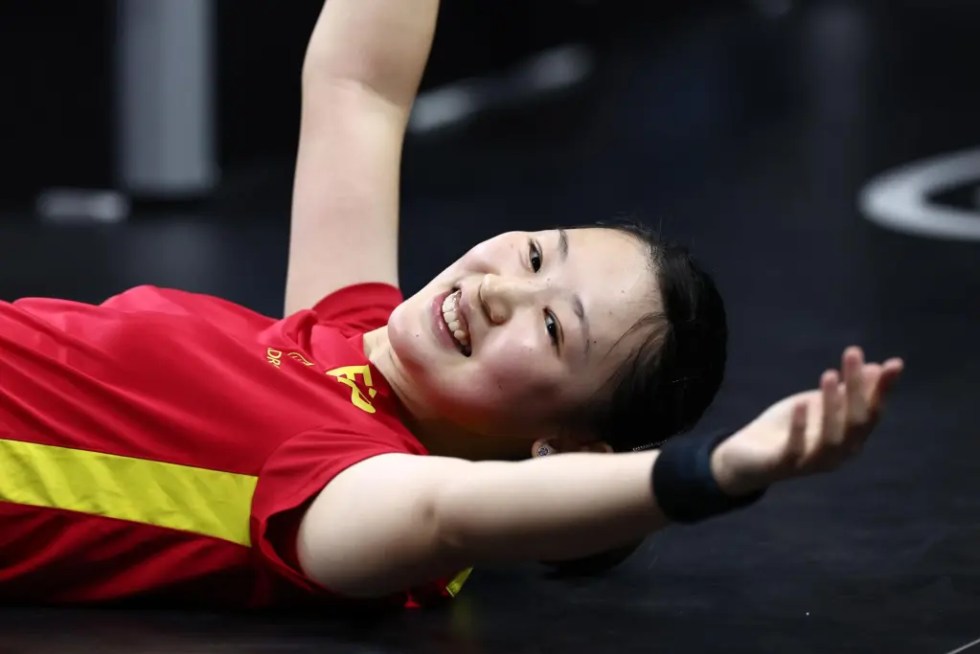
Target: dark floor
column 750, row 138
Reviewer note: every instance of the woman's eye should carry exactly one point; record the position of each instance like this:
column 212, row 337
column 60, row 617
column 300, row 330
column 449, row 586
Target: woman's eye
column 551, row 324
column 535, row 257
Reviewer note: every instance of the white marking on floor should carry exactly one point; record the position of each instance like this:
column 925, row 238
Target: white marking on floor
column 965, row 647
column 899, row 199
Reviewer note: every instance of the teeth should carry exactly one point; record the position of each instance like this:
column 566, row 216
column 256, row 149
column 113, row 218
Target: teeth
column 454, row 320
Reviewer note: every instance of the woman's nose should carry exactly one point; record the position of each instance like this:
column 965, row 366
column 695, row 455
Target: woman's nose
column 501, row 296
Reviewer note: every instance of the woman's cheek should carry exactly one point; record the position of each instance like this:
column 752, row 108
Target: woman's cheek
column 515, row 373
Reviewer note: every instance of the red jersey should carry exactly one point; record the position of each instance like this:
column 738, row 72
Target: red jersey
column 164, row 445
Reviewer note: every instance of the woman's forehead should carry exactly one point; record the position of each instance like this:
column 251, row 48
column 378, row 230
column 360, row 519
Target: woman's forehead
column 595, row 244
column 610, row 266
column 612, row 273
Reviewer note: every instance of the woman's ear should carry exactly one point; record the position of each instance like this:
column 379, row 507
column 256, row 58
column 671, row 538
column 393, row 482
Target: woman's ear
column 545, row 447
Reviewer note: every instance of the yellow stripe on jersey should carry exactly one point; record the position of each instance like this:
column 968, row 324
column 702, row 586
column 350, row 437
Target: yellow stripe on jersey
column 196, row 500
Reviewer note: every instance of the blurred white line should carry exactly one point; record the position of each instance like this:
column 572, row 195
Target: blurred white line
column 550, row 71
column 965, row 647
column 69, row 205
column 899, row 199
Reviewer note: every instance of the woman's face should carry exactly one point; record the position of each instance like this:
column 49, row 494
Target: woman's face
column 523, row 329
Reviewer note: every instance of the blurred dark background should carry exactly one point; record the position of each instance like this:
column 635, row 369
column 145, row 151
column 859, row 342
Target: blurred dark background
column 748, row 130
column 59, row 72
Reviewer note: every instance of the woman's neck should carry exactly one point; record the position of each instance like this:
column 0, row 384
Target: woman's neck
column 450, row 441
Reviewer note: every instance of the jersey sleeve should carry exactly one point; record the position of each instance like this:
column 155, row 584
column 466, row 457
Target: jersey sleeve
column 288, row 483
column 359, row 308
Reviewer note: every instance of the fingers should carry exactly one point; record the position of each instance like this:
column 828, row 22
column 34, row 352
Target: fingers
column 871, row 373
column 850, row 406
column 895, row 363
column 891, row 371
column 849, row 403
column 796, row 447
column 832, row 421
column 867, row 385
column 852, row 364
column 865, row 388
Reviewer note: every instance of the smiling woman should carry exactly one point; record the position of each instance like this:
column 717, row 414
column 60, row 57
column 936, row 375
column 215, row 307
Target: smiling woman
column 375, row 446
column 521, row 300
column 570, row 330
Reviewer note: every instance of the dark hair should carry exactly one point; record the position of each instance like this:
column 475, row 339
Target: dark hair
column 670, row 379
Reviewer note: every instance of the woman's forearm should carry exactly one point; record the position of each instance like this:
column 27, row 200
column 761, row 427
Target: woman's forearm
column 558, row 508
column 381, row 44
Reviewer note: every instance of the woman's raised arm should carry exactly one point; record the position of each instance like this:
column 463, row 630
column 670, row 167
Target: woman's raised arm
column 361, row 73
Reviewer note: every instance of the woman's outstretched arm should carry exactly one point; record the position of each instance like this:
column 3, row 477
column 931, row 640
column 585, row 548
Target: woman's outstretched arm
column 362, row 70
column 395, row 521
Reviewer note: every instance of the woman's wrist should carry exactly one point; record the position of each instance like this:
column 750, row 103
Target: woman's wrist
column 691, row 484
column 729, row 478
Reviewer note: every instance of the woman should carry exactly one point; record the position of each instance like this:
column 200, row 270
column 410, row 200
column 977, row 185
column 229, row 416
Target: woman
column 172, row 447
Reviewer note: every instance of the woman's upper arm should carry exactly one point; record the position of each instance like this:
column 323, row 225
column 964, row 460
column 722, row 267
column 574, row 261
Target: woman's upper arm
column 373, row 530
column 346, row 191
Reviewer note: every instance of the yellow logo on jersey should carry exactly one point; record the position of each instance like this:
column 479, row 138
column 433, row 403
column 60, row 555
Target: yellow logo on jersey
column 348, row 376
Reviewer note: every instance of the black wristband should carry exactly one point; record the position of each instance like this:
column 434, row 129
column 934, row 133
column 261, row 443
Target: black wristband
column 683, row 485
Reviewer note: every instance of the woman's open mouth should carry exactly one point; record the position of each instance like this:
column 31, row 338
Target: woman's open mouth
column 456, row 323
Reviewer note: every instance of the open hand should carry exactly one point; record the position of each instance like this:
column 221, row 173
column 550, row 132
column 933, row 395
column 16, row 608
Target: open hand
column 809, row 432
